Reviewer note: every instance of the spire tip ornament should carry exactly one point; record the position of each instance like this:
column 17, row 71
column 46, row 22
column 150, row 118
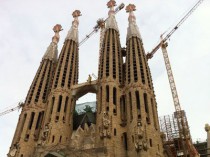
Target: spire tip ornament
column 111, row 3
column 76, row 13
column 73, row 32
column 111, row 21
column 133, row 29
column 130, row 8
column 57, row 28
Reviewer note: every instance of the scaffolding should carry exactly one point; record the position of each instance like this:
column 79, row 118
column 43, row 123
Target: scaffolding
column 172, row 140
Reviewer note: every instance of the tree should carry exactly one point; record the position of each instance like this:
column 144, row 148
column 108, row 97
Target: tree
column 88, row 109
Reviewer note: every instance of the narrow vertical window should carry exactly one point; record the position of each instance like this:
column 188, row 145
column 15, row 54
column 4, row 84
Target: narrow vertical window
column 154, row 115
column 115, row 101
column 125, row 141
column 134, row 61
column 53, row 139
column 140, row 55
column 59, row 103
column 38, row 122
column 150, row 142
column 146, row 108
column 138, row 104
column 115, row 132
column 52, row 105
column 66, row 104
column 114, row 54
column 131, row 108
column 114, row 96
column 31, row 121
column 107, row 93
column 60, row 139
column 123, row 107
column 101, row 98
column 146, row 103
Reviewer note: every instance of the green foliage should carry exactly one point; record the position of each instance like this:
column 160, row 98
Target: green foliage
column 75, row 113
column 88, row 109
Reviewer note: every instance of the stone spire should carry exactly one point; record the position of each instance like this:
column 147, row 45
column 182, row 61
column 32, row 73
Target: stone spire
column 52, row 50
column 111, row 21
column 31, row 117
column 133, row 29
column 73, row 32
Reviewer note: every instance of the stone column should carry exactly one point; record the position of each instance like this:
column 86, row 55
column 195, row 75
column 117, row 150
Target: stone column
column 207, row 128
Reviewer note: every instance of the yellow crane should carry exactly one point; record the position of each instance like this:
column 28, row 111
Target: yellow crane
column 187, row 146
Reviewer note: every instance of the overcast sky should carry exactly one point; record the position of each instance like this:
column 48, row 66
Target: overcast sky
column 26, row 32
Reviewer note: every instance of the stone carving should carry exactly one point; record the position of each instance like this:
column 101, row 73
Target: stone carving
column 207, row 127
column 83, row 138
column 45, row 134
column 158, row 154
column 105, row 129
column 140, row 142
column 89, row 79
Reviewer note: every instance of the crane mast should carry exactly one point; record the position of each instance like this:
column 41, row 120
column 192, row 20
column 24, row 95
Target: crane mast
column 177, row 105
column 187, row 146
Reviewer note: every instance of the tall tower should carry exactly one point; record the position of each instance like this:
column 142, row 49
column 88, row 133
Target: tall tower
column 126, row 118
column 110, row 119
column 29, row 124
column 58, row 124
column 143, row 128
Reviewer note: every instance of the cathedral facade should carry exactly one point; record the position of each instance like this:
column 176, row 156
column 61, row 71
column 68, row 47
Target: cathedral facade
column 126, row 120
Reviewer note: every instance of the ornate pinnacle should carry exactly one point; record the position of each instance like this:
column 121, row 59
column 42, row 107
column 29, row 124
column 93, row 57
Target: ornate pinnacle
column 207, row 128
column 57, row 28
column 111, row 3
column 73, row 32
column 133, row 29
column 76, row 13
column 101, row 23
column 130, row 8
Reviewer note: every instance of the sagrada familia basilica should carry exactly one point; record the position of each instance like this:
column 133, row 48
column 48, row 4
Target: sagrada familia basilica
column 125, row 123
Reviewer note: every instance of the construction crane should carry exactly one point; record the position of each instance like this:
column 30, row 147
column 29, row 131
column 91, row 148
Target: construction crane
column 187, row 146
column 100, row 23
column 163, row 40
column 20, row 105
